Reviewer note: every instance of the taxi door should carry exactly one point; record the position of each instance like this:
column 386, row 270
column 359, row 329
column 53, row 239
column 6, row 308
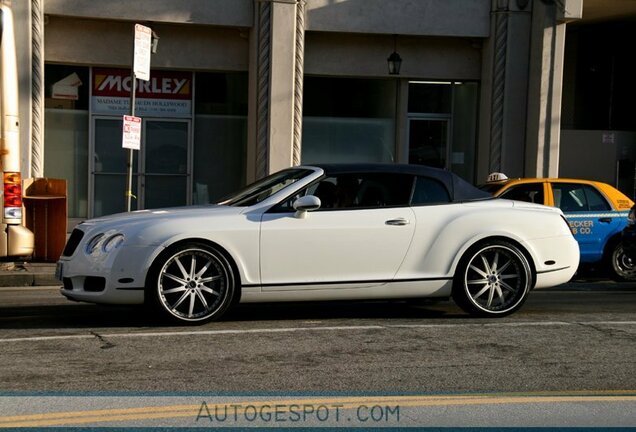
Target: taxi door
column 590, row 215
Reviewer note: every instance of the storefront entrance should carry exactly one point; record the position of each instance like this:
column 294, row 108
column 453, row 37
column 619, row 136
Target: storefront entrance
column 161, row 168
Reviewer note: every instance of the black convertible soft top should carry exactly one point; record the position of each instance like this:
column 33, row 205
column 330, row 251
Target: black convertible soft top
column 459, row 189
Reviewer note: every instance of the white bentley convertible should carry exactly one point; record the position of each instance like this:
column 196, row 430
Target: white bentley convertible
column 325, row 232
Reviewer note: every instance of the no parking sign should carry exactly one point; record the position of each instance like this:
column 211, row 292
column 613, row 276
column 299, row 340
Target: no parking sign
column 131, row 136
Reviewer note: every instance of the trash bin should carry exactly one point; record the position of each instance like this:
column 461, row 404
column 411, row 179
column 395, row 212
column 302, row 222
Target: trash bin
column 45, row 205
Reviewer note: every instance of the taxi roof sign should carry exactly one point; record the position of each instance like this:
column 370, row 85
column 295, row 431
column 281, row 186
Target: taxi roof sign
column 496, row 176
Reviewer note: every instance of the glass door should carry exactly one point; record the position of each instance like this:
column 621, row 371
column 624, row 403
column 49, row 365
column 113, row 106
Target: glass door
column 161, row 169
column 166, row 169
column 428, row 142
column 108, row 168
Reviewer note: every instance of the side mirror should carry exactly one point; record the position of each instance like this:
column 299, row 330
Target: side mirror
column 306, row 204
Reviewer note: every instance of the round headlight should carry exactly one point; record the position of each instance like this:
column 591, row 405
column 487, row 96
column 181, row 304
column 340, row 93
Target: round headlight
column 112, row 242
column 92, row 244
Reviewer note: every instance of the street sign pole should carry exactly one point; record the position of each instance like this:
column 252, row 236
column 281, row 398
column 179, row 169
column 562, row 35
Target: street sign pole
column 129, row 194
column 142, row 48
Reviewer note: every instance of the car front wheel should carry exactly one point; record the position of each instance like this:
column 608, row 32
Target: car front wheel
column 493, row 280
column 192, row 283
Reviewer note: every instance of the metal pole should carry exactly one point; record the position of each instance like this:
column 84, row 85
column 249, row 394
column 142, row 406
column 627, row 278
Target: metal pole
column 129, row 194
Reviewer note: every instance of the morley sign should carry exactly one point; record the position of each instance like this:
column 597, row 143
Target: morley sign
column 165, row 94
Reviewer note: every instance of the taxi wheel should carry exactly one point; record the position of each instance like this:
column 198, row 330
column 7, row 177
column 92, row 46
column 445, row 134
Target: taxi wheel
column 621, row 266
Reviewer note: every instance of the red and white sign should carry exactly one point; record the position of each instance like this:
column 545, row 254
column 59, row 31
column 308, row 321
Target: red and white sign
column 141, row 59
column 165, row 94
column 131, row 134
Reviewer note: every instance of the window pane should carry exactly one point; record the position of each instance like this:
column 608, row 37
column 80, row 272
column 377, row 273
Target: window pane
column 428, row 142
column 220, row 135
column 348, row 120
column 164, row 191
column 429, row 191
column 66, row 155
column 66, row 132
column 429, row 98
column 110, row 194
column 569, row 197
column 529, row 193
column 166, row 148
column 595, row 200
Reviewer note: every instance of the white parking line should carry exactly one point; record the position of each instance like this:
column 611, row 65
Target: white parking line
column 308, row 329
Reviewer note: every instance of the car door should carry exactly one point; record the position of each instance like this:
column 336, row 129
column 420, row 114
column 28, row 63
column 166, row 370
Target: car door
column 359, row 235
column 590, row 216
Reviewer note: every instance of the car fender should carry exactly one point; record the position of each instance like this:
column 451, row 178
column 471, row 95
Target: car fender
column 240, row 244
column 460, row 230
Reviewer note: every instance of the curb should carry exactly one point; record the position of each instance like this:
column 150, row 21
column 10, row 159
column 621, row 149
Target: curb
column 27, row 274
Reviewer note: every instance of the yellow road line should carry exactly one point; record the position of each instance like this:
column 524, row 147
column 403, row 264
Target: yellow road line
column 269, row 406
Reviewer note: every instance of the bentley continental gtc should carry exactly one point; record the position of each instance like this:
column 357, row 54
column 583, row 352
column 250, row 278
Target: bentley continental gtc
column 325, row 232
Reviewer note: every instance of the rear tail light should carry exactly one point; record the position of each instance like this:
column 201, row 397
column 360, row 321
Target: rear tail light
column 12, row 195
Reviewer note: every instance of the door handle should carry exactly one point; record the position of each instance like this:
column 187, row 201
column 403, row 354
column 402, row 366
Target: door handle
column 605, row 220
column 397, row 222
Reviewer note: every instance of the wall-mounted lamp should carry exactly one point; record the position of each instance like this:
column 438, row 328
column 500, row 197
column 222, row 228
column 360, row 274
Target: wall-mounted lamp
column 394, row 60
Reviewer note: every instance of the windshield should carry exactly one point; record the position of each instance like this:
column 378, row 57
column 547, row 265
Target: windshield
column 265, row 188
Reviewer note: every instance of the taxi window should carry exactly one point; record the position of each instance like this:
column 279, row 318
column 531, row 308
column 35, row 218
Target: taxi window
column 571, row 197
column 529, row 192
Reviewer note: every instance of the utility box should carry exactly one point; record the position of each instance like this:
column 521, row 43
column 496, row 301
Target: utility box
column 45, row 205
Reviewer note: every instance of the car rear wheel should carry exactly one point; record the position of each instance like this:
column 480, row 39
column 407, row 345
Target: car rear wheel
column 192, row 283
column 621, row 266
column 493, row 280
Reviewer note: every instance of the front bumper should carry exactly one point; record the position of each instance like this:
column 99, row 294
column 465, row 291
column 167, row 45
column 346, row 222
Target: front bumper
column 116, row 278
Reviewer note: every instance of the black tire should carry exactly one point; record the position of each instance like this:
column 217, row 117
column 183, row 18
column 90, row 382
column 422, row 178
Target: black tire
column 191, row 283
column 622, row 267
column 493, row 279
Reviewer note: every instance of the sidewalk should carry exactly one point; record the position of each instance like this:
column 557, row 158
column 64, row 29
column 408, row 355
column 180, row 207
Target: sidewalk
column 27, row 274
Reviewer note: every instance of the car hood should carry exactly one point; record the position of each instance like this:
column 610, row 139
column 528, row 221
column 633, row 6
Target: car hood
column 146, row 217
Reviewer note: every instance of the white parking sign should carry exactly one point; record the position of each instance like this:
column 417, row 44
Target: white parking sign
column 141, row 62
column 131, row 136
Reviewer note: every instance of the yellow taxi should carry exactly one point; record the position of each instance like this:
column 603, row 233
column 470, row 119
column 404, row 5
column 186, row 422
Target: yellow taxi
column 596, row 212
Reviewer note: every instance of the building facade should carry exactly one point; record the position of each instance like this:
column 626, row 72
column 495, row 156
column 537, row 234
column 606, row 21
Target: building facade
column 242, row 88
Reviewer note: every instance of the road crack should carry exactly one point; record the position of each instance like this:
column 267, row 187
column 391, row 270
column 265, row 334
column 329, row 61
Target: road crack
column 105, row 343
column 611, row 332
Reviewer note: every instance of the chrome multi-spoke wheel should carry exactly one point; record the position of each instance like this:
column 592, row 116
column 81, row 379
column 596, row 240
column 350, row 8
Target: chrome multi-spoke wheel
column 493, row 279
column 622, row 266
column 193, row 283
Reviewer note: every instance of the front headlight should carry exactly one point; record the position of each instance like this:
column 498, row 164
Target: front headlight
column 112, row 242
column 631, row 217
column 104, row 243
column 93, row 243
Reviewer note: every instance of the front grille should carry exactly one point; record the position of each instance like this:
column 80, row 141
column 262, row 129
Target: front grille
column 73, row 241
column 94, row 284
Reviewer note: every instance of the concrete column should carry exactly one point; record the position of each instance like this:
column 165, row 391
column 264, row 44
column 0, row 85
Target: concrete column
column 37, row 89
column 544, row 91
column 278, row 46
column 504, row 89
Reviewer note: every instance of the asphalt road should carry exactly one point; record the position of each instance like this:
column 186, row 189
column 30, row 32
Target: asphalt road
column 568, row 358
column 578, row 337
